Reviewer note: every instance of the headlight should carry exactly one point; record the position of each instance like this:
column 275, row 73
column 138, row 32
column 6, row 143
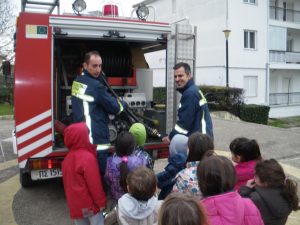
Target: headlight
column 78, row 6
column 142, row 12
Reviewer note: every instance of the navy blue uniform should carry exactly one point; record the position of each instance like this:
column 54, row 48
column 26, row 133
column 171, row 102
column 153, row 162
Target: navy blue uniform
column 92, row 103
column 193, row 114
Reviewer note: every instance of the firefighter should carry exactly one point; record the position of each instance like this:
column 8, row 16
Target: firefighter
column 92, row 103
column 193, row 114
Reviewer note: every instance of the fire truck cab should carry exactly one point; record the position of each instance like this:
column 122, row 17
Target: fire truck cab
column 49, row 54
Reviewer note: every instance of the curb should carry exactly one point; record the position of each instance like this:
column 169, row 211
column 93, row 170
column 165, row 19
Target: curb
column 7, row 117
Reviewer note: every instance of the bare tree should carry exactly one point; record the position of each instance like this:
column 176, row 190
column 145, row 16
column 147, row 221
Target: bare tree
column 7, row 27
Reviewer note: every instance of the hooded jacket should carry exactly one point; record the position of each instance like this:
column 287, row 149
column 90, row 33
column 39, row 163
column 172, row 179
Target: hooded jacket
column 193, row 114
column 245, row 172
column 92, row 103
column 133, row 212
column 231, row 209
column 81, row 178
column 272, row 206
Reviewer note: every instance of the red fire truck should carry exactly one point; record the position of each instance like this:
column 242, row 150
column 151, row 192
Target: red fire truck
column 49, row 55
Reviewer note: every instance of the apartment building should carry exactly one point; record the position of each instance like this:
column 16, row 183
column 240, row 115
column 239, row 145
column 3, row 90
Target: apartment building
column 263, row 47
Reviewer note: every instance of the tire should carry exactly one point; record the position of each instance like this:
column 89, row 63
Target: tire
column 25, row 179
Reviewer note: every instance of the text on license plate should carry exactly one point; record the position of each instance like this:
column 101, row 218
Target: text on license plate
column 45, row 174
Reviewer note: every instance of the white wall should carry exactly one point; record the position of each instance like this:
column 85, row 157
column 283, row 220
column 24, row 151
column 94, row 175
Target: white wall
column 210, row 19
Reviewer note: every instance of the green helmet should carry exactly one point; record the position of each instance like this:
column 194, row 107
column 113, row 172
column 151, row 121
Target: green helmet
column 138, row 130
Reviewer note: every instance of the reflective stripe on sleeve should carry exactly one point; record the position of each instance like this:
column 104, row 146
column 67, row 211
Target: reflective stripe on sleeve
column 121, row 106
column 180, row 129
column 203, row 122
column 203, row 99
column 103, row 147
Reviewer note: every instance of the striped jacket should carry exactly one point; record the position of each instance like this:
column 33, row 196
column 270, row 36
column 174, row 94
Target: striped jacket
column 193, row 114
column 92, row 103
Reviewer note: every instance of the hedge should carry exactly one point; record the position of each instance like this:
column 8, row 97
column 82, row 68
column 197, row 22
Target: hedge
column 255, row 113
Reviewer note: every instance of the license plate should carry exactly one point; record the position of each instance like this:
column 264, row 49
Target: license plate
column 45, row 174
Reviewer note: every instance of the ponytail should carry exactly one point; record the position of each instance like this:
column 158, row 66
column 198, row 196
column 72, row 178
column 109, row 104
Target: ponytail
column 124, row 173
column 289, row 192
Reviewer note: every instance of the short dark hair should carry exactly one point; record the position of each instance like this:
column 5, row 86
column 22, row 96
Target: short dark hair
column 185, row 66
column 141, row 183
column 198, row 144
column 246, row 148
column 88, row 55
column 216, row 175
column 181, row 209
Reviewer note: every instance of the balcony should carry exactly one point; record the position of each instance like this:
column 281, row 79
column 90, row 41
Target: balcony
column 283, row 14
column 291, row 98
column 284, row 57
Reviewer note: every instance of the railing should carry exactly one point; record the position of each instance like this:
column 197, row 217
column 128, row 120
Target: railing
column 284, row 57
column 284, row 98
column 283, row 14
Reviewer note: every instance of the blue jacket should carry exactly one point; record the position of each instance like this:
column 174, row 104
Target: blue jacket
column 92, row 103
column 193, row 114
column 166, row 179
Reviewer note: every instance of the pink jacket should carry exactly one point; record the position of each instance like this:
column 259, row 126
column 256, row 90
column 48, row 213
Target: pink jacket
column 81, row 177
column 245, row 172
column 231, row 209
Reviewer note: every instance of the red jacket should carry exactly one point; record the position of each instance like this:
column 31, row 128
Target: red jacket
column 81, row 177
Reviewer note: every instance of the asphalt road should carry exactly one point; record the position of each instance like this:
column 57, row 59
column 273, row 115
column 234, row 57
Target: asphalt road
column 44, row 204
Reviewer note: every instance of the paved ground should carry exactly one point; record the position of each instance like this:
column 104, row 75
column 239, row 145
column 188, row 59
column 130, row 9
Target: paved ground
column 45, row 203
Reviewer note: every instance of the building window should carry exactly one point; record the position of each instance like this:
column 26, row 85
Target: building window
column 249, row 39
column 250, row 86
column 250, row 1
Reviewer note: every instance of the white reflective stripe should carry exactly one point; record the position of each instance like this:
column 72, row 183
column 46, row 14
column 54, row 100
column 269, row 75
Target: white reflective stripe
column 43, row 153
column 35, row 145
column 203, row 99
column 23, row 163
column 180, row 130
column 103, row 147
column 87, row 98
column 179, row 106
column 33, row 120
column 203, row 122
column 34, row 132
column 88, row 120
column 40, row 154
column 202, row 102
column 121, row 106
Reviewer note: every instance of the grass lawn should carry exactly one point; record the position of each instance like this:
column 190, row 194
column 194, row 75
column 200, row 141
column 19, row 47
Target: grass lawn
column 6, row 109
column 285, row 122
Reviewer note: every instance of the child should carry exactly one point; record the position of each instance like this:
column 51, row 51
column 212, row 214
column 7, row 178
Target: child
column 245, row 153
column 140, row 205
column 139, row 133
column 273, row 193
column 181, row 209
column 121, row 163
column 82, row 183
column 224, row 206
column 177, row 161
column 186, row 179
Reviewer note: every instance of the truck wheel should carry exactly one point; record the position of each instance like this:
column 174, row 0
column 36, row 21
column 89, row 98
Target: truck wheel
column 25, row 179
